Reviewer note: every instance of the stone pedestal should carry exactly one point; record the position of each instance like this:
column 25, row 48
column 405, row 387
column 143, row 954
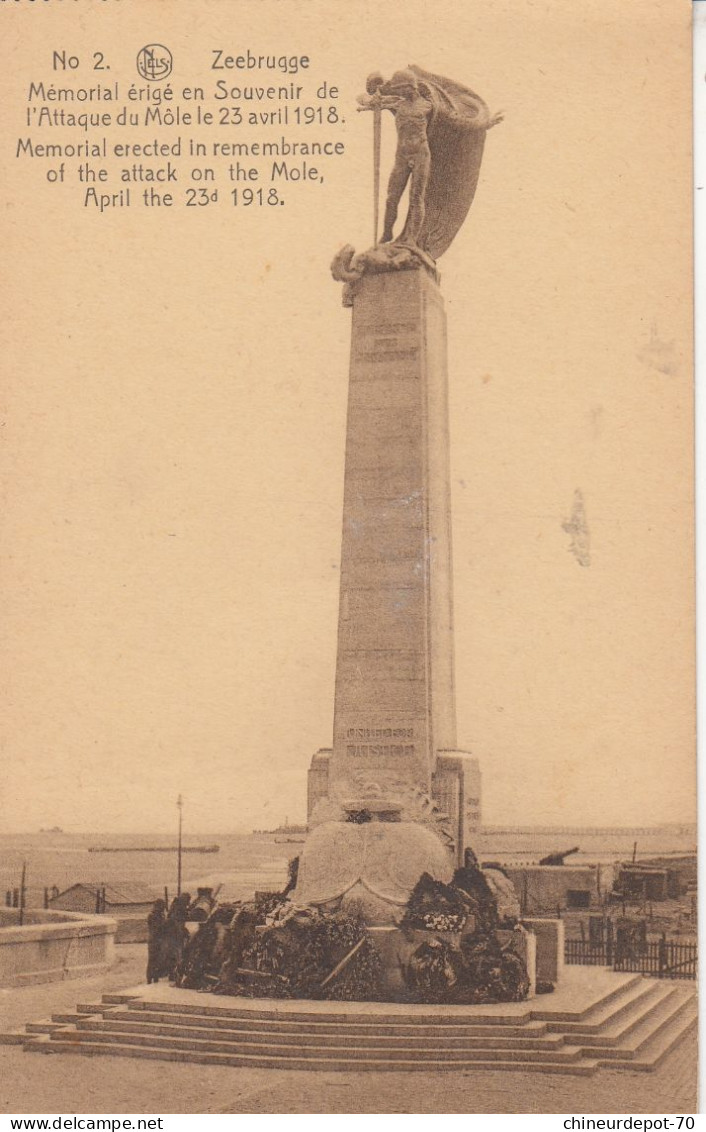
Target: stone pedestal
column 456, row 787
column 394, row 712
column 550, row 947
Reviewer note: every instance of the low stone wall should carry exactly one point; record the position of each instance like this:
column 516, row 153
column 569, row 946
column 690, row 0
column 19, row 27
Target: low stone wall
column 51, row 946
column 131, row 929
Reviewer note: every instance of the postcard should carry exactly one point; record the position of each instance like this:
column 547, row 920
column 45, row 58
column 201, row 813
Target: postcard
column 348, row 575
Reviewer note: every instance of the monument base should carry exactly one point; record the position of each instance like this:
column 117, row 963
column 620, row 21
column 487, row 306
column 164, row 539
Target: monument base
column 597, row 1018
column 455, row 791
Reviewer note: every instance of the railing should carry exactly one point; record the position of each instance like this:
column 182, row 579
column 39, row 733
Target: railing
column 587, row 954
column 665, row 959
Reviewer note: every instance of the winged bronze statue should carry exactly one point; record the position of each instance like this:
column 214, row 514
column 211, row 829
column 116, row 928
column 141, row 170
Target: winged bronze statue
column 441, row 128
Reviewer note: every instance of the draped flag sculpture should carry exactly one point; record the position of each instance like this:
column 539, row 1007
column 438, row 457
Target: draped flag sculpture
column 441, row 128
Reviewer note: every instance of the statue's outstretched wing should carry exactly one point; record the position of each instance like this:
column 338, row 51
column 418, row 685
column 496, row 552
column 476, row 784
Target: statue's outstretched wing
column 456, row 135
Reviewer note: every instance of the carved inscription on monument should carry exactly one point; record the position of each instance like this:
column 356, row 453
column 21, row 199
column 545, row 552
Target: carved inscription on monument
column 380, row 733
column 380, row 355
column 356, row 748
column 387, row 328
column 377, row 750
column 382, row 342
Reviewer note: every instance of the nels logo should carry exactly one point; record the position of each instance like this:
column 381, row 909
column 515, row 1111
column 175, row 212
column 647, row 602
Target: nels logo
column 155, row 62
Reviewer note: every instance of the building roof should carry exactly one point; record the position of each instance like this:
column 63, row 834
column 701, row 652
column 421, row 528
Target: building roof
column 121, row 892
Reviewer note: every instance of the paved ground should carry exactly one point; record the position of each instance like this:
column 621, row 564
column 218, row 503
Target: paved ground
column 65, row 1084
column 31, row 1083
column 670, row 1089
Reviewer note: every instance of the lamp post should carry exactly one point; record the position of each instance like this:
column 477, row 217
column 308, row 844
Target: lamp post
column 23, row 890
column 180, row 806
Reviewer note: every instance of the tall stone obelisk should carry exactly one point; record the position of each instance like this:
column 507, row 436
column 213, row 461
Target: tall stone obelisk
column 394, row 743
column 394, row 698
column 394, row 705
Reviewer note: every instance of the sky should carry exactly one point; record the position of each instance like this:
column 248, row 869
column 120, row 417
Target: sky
column 175, row 393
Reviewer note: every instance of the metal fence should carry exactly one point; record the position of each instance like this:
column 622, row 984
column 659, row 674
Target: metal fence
column 665, row 959
column 587, row 954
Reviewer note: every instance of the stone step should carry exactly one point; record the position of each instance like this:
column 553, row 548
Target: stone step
column 13, row 1038
column 265, row 1037
column 607, row 999
column 672, row 1013
column 314, row 1053
column 654, row 1051
column 373, row 1015
column 44, row 1026
column 634, row 1026
column 642, row 1018
column 319, row 1026
column 44, row 1044
column 635, row 998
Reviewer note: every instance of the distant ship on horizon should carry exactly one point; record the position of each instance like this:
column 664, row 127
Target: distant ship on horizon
column 285, row 828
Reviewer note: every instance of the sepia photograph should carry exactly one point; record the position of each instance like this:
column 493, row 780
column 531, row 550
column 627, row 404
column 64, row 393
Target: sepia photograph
column 349, row 648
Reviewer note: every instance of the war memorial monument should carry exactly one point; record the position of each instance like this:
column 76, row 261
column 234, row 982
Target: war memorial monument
column 394, row 719
column 394, row 805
